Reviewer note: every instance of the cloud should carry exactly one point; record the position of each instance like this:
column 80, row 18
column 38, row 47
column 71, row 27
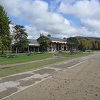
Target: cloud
column 47, row 18
column 81, row 8
column 11, row 7
column 40, row 19
column 19, row 8
column 92, row 24
column 88, row 11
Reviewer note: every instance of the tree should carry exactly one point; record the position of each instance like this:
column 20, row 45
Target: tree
column 0, row 43
column 98, row 44
column 90, row 44
column 4, row 30
column 83, row 44
column 20, row 38
column 73, row 42
column 44, row 43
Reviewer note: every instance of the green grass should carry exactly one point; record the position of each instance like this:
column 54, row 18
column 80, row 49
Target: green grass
column 24, row 58
column 23, row 68
column 28, row 67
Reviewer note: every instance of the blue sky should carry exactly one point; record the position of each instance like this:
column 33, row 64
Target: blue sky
column 60, row 18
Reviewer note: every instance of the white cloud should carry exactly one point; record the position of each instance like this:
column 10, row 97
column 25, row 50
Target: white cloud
column 11, row 7
column 81, row 8
column 40, row 19
column 88, row 11
column 92, row 24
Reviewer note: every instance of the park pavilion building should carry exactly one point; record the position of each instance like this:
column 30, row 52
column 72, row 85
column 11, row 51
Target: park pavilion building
column 56, row 44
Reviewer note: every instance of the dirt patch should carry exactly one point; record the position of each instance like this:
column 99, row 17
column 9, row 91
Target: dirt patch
column 14, row 78
column 43, row 71
column 29, row 82
column 8, row 92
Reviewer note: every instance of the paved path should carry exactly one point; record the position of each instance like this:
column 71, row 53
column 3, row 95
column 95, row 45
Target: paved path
column 14, row 84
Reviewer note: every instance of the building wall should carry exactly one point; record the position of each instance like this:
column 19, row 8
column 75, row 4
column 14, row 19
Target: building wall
column 56, row 47
column 33, row 49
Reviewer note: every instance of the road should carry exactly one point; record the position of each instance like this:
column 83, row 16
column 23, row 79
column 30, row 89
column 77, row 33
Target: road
column 76, row 79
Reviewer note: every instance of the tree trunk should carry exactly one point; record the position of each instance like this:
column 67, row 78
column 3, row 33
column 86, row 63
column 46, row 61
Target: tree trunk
column 16, row 50
column 2, row 50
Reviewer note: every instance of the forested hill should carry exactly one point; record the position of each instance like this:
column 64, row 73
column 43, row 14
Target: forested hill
column 84, row 43
column 89, row 38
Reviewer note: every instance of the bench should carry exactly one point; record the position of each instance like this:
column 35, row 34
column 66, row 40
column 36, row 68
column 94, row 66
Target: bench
column 11, row 55
column 88, row 50
column 76, row 51
column 57, row 54
column 30, row 54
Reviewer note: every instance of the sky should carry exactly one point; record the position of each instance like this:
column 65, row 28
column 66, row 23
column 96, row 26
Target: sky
column 59, row 18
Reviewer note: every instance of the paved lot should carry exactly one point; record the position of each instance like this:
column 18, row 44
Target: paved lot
column 55, row 82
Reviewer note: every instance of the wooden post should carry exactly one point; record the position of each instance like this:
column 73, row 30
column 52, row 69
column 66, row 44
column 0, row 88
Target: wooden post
column 38, row 49
column 16, row 50
column 28, row 48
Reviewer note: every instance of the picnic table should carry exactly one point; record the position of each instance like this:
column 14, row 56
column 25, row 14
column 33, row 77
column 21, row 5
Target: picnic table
column 11, row 55
column 29, row 53
column 57, row 54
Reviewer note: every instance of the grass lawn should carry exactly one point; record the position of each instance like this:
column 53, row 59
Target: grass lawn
column 28, row 67
column 24, row 58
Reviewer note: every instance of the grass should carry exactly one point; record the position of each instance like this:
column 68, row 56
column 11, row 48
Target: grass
column 23, row 68
column 24, row 58
column 28, row 67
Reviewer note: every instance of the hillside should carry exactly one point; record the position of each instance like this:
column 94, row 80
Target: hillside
column 85, row 43
column 80, row 37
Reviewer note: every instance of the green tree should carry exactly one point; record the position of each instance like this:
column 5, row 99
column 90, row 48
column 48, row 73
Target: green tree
column 0, row 43
column 90, row 44
column 74, row 43
column 20, row 38
column 96, row 46
column 44, row 43
column 4, row 30
column 98, row 42
column 83, row 44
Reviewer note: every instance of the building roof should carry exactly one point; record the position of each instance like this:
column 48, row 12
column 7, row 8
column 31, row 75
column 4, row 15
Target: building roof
column 53, row 39
column 33, row 42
